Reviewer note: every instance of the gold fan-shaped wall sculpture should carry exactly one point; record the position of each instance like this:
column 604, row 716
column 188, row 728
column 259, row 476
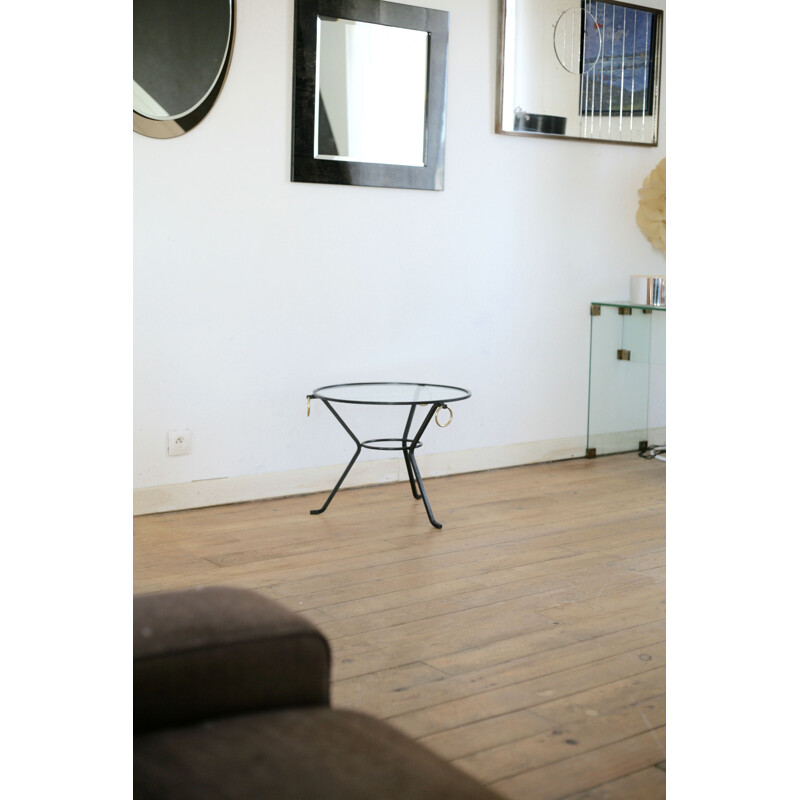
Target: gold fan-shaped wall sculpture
column 652, row 214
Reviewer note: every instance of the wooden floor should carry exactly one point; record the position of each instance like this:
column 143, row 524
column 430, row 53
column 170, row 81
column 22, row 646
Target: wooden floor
column 524, row 642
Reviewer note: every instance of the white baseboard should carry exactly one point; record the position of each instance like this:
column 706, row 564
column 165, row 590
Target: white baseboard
column 245, row 488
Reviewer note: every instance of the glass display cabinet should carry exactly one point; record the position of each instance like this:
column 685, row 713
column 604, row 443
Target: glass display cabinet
column 627, row 378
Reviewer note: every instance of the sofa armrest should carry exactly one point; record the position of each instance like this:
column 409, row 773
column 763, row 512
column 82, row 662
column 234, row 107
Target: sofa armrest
column 216, row 651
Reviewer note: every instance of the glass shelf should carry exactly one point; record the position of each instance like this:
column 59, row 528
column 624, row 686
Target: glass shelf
column 623, row 304
column 627, row 378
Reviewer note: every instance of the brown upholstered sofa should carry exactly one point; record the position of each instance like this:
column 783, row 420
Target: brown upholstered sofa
column 232, row 700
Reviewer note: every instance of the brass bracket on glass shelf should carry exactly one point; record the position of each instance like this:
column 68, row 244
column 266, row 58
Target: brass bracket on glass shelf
column 591, row 452
column 595, row 310
column 625, row 312
column 647, row 311
column 623, row 355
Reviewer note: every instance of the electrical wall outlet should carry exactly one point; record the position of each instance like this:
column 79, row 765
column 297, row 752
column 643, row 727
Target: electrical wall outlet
column 179, row 443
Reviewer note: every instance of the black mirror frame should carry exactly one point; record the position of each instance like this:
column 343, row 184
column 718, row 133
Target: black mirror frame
column 177, row 126
column 308, row 169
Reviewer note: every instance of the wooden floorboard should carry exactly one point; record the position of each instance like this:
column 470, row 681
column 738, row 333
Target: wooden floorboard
column 524, row 642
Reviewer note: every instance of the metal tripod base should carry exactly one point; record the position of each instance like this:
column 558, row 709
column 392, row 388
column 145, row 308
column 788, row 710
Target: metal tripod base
column 408, row 446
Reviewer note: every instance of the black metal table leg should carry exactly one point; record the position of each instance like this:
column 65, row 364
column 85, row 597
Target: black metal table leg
column 406, row 456
column 348, row 467
column 411, row 461
column 424, row 493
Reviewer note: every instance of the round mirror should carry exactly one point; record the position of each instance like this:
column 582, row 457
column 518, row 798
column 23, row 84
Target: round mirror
column 577, row 40
column 181, row 53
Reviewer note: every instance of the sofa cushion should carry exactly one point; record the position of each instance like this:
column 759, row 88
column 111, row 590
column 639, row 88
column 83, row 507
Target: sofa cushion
column 219, row 650
column 297, row 754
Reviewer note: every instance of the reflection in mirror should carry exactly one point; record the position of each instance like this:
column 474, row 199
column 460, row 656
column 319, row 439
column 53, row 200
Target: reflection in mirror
column 369, row 94
column 367, row 109
column 181, row 53
column 591, row 71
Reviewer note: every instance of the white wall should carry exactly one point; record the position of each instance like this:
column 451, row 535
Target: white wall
column 250, row 290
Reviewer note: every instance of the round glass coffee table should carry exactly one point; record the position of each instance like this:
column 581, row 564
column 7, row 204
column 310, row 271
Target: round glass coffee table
column 436, row 396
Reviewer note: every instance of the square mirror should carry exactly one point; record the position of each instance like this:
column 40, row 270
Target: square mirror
column 367, row 109
column 369, row 94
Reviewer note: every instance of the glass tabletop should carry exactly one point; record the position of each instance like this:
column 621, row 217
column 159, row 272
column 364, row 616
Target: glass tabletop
column 391, row 393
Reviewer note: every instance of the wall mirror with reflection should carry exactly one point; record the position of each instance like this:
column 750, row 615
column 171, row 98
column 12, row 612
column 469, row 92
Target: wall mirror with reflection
column 369, row 94
column 588, row 71
column 181, row 54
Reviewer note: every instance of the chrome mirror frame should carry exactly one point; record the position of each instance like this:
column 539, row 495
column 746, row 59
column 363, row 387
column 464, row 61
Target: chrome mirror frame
column 555, row 127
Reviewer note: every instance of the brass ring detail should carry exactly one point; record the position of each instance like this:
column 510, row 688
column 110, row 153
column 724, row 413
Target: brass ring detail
column 308, row 406
column 437, row 416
